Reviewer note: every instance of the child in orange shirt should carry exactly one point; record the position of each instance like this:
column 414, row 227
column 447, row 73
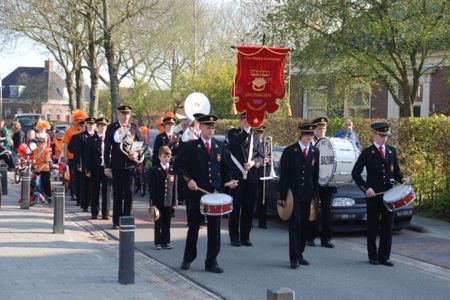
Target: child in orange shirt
column 41, row 164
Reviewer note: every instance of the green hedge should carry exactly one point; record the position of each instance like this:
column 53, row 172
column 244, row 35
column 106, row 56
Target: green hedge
column 423, row 146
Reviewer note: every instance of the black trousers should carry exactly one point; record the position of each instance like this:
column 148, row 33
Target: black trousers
column 123, row 185
column 45, row 183
column 99, row 182
column 240, row 220
column 324, row 216
column 190, row 251
column 375, row 209
column 261, row 208
column 84, row 190
column 162, row 226
column 298, row 230
column 73, row 179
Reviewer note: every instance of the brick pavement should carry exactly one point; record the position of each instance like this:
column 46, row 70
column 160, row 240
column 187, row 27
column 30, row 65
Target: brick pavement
column 83, row 262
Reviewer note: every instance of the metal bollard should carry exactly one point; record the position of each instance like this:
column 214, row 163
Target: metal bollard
column 25, row 190
column 59, row 210
column 4, row 172
column 281, row 294
column 126, row 250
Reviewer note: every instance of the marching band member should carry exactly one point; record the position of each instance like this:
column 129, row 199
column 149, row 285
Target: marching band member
column 201, row 164
column 77, row 145
column 167, row 138
column 299, row 172
column 95, row 169
column 325, row 193
column 163, row 196
column 381, row 163
column 77, row 117
column 120, row 166
column 241, row 145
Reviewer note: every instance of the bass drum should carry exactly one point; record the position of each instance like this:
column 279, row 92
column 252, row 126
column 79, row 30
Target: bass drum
column 336, row 161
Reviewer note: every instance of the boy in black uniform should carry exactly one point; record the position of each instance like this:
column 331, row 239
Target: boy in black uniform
column 201, row 164
column 299, row 172
column 95, row 167
column 163, row 195
column 382, row 167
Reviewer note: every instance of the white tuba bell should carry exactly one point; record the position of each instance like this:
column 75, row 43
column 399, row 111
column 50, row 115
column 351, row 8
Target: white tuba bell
column 196, row 103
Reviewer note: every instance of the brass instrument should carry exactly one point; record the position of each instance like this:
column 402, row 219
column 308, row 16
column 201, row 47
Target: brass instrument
column 268, row 149
column 127, row 145
column 194, row 103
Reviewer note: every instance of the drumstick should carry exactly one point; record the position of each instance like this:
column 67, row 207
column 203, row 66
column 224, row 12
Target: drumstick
column 203, row 191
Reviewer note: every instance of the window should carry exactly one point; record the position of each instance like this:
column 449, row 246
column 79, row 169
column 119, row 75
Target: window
column 49, row 114
column 58, row 115
column 316, row 102
column 67, row 116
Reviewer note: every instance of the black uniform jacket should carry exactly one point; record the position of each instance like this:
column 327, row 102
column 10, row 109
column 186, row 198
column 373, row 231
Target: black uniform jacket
column 210, row 172
column 113, row 156
column 76, row 146
column 379, row 171
column 163, row 140
column 93, row 153
column 163, row 188
column 239, row 146
column 297, row 174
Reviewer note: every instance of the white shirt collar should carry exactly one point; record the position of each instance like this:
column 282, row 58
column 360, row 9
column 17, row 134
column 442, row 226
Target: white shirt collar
column 204, row 140
column 303, row 146
column 165, row 166
column 378, row 146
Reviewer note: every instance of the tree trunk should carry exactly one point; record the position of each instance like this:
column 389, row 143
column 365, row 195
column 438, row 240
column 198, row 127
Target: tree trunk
column 70, row 92
column 79, row 88
column 110, row 58
column 92, row 62
column 93, row 105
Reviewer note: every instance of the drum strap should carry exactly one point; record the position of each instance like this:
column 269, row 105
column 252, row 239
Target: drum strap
column 240, row 167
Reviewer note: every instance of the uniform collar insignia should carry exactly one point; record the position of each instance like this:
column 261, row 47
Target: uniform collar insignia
column 198, row 146
column 372, row 151
column 312, row 150
column 390, row 152
column 217, row 146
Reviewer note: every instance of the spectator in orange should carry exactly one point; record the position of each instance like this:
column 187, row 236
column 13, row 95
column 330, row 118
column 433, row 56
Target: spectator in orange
column 41, row 163
column 42, row 127
column 57, row 145
column 77, row 117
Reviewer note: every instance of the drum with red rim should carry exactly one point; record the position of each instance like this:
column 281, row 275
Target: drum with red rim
column 216, row 204
column 398, row 197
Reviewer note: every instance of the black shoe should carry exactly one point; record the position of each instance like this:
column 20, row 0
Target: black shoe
column 94, row 217
column 303, row 261
column 294, row 264
column 115, row 226
column 167, row 246
column 373, row 262
column 185, row 265
column 310, row 243
column 263, row 226
column 386, row 263
column 105, row 218
column 157, row 247
column 247, row 243
column 327, row 244
column 85, row 210
column 236, row 244
column 214, row 269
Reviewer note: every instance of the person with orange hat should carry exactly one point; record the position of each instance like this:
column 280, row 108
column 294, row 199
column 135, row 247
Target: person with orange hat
column 77, row 117
column 42, row 127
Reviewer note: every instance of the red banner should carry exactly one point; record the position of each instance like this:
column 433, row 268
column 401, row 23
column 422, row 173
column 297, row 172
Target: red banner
column 259, row 81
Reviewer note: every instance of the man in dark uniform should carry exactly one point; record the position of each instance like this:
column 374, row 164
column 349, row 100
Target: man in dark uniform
column 325, row 193
column 77, row 145
column 201, row 164
column 241, row 145
column 167, row 138
column 95, row 169
column 381, row 163
column 299, row 172
column 121, row 166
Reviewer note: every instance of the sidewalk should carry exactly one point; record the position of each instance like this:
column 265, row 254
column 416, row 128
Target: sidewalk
column 83, row 262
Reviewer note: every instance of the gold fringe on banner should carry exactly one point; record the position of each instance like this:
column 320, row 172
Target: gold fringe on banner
column 288, row 110
column 233, row 108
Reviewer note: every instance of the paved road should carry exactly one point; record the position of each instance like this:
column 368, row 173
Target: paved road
column 422, row 263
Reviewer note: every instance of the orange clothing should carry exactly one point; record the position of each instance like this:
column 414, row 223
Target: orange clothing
column 58, row 148
column 69, row 133
column 42, row 158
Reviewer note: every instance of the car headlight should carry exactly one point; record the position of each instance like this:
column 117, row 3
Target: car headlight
column 342, row 202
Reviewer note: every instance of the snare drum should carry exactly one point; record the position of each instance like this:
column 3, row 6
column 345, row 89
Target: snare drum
column 216, row 204
column 398, row 197
column 336, row 161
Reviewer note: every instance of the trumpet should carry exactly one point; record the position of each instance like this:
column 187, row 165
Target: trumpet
column 268, row 149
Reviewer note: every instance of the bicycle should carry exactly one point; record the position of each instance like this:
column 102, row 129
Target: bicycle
column 23, row 165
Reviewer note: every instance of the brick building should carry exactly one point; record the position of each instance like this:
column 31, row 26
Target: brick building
column 434, row 97
column 34, row 89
